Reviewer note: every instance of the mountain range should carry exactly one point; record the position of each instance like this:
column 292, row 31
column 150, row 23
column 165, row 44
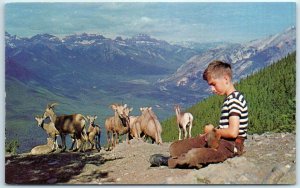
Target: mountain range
column 245, row 59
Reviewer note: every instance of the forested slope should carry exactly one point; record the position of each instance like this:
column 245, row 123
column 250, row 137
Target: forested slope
column 271, row 97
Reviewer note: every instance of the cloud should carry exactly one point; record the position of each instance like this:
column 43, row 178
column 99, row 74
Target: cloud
column 166, row 21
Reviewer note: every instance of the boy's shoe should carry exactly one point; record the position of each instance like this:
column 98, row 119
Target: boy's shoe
column 158, row 160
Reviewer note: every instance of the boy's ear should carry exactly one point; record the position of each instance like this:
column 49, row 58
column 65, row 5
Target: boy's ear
column 226, row 77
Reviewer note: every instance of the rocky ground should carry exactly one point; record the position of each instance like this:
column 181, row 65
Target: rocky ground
column 269, row 159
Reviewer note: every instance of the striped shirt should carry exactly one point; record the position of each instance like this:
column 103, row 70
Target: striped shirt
column 235, row 104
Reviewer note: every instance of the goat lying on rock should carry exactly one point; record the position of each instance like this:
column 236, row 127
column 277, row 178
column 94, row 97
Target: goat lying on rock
column 43, row 149
column 94, row 133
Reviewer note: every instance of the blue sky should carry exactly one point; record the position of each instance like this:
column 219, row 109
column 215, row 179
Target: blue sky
column 173, row 22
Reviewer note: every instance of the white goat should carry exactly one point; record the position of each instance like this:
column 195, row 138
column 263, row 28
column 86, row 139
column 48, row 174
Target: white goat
column 184, row 121
column 50, row 130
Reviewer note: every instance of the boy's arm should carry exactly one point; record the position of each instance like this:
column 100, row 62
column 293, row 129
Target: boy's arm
column 233, row 130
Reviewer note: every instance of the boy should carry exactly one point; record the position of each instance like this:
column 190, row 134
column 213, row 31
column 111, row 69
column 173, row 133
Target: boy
column 232, row 129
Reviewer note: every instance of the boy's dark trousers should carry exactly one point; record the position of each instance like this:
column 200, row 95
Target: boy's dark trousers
column 193, row 151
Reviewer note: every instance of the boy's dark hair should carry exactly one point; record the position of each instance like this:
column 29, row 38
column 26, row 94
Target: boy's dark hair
column 216, row 69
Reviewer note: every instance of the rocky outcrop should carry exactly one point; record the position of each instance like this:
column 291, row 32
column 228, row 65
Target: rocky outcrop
column 270, row 158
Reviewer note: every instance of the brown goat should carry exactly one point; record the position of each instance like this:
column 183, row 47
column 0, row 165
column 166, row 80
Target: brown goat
column 117, row 124
column 94, row 133
column 149, row 125
column 68, row 124
column 135, row 129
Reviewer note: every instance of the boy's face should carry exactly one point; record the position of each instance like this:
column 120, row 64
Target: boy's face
column 218, row 85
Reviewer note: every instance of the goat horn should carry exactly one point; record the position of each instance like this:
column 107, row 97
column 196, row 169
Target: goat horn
column 52, row 105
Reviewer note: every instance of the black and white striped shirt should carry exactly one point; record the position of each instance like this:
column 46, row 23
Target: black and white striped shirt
column 235, row 104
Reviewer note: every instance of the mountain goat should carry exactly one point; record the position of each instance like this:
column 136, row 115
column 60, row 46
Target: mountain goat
column 184, row 121
column 50, row 130
column 43, row 149
column 117, row 124
column 149, row 125
column 94, row 133
column 68, row 124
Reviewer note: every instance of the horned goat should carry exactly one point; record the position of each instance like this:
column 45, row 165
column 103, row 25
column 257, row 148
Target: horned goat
column 68, row 124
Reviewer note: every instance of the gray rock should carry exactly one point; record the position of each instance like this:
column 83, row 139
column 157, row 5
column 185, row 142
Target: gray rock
column 276, row 174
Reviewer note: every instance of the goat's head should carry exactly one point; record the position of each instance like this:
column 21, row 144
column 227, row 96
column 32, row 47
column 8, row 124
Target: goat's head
column 119, row 109
column 143, row 110
column 92, row 119
column 40, row 120
column 126, row 111
column 177, row 108
column 49, row 112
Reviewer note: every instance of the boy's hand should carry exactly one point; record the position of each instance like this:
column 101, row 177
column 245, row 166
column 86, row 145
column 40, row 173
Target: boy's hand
column 208, row 128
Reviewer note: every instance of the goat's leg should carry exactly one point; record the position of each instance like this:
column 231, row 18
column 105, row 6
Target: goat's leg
column 54, row 147
column 98, row 144
column 179, row 133
column 73, row 143
column 117, row 138
column 93, row 143
column 190, row 130
column 108, row 139
column 63, row 141
column 184, row 132
column 113, row 139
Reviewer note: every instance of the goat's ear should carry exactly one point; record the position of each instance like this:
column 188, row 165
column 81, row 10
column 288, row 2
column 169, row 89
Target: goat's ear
column 125, row 105
column 130, row 109
column 95, row 117
column 149, row 108
column 88, row 116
